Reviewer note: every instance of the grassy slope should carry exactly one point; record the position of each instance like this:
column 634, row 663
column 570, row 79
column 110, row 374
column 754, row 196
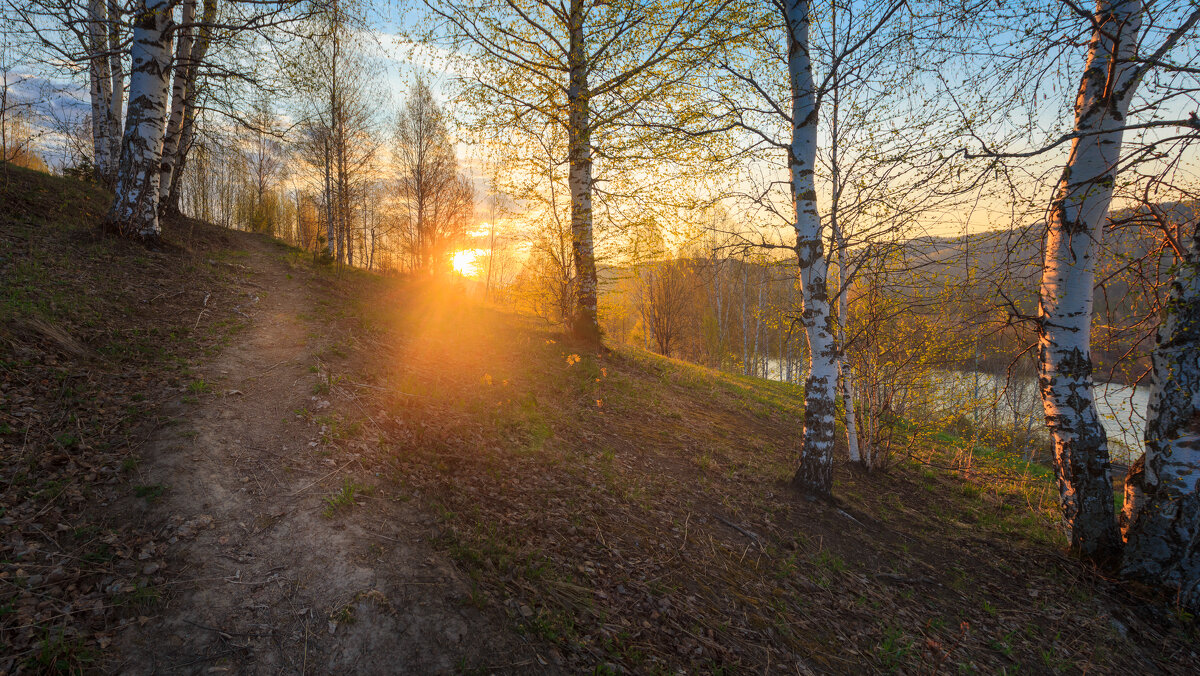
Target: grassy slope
column 625, row 510
column 632, row 511
column 95, row 336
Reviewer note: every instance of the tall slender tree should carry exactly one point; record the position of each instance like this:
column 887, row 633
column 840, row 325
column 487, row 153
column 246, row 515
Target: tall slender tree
column 435, row 200
column 586, row 68
column 1074, row 226
column 134, row 211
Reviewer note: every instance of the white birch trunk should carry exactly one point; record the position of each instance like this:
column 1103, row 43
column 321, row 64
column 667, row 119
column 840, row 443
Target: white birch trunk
column 847, row 375
column 100, row 86
column 179, row 93
column 585, row 323
column 815, row 473
column 134, row 211
column 1162, row 503
column 116, row 72
column 745, row 319
column 202, row 36
column 1074, row 225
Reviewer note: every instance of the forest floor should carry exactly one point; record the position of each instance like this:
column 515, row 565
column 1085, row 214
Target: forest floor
column 225, row 458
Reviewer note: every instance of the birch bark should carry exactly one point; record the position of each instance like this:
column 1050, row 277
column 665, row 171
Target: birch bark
column 815, row 473
column 202, row 38
column 844, row 368
column 134, row 212
column 101, row 83
column 846, row 375
column 585, row 323
column 1162, row 503
column 116, row 71
column 179, row 92
column 1074, row 225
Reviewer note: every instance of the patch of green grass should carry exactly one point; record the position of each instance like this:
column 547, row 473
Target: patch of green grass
column 150, row 493
column 893, row 649
column 143, row 597
column 344, row 498
column 102, row 554
column 829, row 561
column 58, row 653
column 334, row 427
column 199, row 387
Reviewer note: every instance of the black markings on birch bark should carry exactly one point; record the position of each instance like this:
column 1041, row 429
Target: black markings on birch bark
column 1074, row 223
column 815, row 473
column 1161, row 519
column 134, row 213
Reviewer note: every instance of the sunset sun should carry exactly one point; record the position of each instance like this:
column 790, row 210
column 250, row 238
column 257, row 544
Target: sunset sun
column 463, row 262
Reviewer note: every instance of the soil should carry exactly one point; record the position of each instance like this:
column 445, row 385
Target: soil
column 262, row 580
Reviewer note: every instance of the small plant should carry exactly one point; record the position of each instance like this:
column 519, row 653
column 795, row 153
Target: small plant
column 343, row 615
column 199, row 387
column 142, row 597
column 1003, row 645
column 831, row 561
column 130, row 463
column 149, row 493
column 58, row 653
column 893, row 649
column 344, row 498
column 103, row 554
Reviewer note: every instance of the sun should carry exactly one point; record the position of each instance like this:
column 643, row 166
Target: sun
column 463, row 262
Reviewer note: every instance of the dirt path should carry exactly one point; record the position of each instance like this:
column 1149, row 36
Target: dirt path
column 258, row 578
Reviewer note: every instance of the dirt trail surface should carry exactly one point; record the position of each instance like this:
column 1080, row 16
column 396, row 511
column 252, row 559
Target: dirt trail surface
column 264, row 572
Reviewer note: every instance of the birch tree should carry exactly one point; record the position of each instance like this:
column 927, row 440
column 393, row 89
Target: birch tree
column 1162, row 493
column 1074, row 225
column 74, row 36
column 194, row 35
column 1131, row 45
column 757, row 107
column 586, row 68
column 134, row 212
column 436, row 202
column 106, row 86
column 816, row 463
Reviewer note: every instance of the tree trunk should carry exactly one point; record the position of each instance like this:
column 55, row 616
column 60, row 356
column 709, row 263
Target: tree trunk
column 815, row 473
column 134, row 212
column 585, row 322
column 101, row 82
column 202, row 37
column 179, row 93
column 1074, row 225
column 117, row 73
column 1162, row 503
column 745, row 318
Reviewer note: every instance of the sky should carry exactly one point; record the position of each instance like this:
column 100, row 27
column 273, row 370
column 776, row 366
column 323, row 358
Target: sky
column 402, row 61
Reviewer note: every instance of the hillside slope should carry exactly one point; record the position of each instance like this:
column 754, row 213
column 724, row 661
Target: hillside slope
column 223, row 457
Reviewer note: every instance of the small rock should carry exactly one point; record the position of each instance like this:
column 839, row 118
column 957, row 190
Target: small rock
column 150, row 569
column 526, row 611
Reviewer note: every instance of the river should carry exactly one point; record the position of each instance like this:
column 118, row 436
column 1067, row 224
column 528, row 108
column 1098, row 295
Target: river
column 1122, row 408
